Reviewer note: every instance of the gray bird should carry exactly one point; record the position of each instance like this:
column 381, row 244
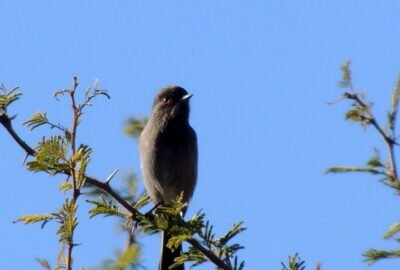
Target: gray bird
column 168, row 154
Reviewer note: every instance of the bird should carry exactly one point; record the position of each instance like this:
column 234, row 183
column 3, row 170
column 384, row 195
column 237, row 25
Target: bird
column 169, row 156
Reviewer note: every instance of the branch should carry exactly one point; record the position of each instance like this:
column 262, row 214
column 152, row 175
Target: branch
column 107, row 188
column 6, row 122
column 389, row 141
column 211, row 256
column 75, row 112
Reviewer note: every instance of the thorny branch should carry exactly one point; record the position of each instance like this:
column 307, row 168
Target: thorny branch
column 6, row 122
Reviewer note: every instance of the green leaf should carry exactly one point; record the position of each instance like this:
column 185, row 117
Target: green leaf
column 394, row 229
column 8, row 97
column 395, row 105
column 208, row 234
column 68, row 220
column 375, row 161
column 353, row 169
column 373, row 255
column 236, row 229
column 81, row 160
column 106, row 208
column 354, row 115
column 50, row 156
column 192, row 255
column 174, row 207
column 176, row 240
column 37, row 119
column 143, row 200
column 30, row 219
column 294, row 263
column 65, row 186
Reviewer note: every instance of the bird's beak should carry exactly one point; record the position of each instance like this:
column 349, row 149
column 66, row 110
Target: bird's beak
column 186, row 98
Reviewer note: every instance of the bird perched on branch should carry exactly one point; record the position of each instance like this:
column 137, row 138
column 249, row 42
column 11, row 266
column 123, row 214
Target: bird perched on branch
column 168, row 154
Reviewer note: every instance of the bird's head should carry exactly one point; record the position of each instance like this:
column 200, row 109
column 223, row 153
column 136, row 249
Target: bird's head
column 172, row 104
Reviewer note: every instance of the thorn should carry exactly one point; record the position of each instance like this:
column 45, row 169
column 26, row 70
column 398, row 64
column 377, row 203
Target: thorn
column 135, row 227
column 3, row 111
column 153, row 209
column 107, row 182
column 25, row 158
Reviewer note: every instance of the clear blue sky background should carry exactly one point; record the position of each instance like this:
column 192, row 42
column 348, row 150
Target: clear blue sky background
column 261, row 72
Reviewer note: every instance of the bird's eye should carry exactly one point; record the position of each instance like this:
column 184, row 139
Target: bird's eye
column 167, row 100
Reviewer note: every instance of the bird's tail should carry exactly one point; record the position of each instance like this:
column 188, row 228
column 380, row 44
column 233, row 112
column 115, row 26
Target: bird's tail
column 167, row 255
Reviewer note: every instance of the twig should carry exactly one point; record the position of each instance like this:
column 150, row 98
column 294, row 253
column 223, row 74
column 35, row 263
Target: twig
column 75, row 113
column 107, row 188
column 214, row 258
column 389, row 141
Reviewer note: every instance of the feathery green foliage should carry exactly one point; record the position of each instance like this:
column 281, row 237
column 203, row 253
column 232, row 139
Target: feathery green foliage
column 65, row 186
column 68, row 220
column 65, row 216
column 168, row 217
column 106, row 208
column 43, row 218
column 345, row 169
column 393, row 230
column 36, row 120
column 50, row 156
column 392, row 115
column 78, row 162
column 373, row 255
column 7, row 97
column 361, row 111
column 142, row 201
column 39, row 119
column 375, row 161
column 294, row 263
column 60, row 154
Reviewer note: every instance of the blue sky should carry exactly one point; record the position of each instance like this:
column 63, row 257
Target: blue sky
column 261, row 72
